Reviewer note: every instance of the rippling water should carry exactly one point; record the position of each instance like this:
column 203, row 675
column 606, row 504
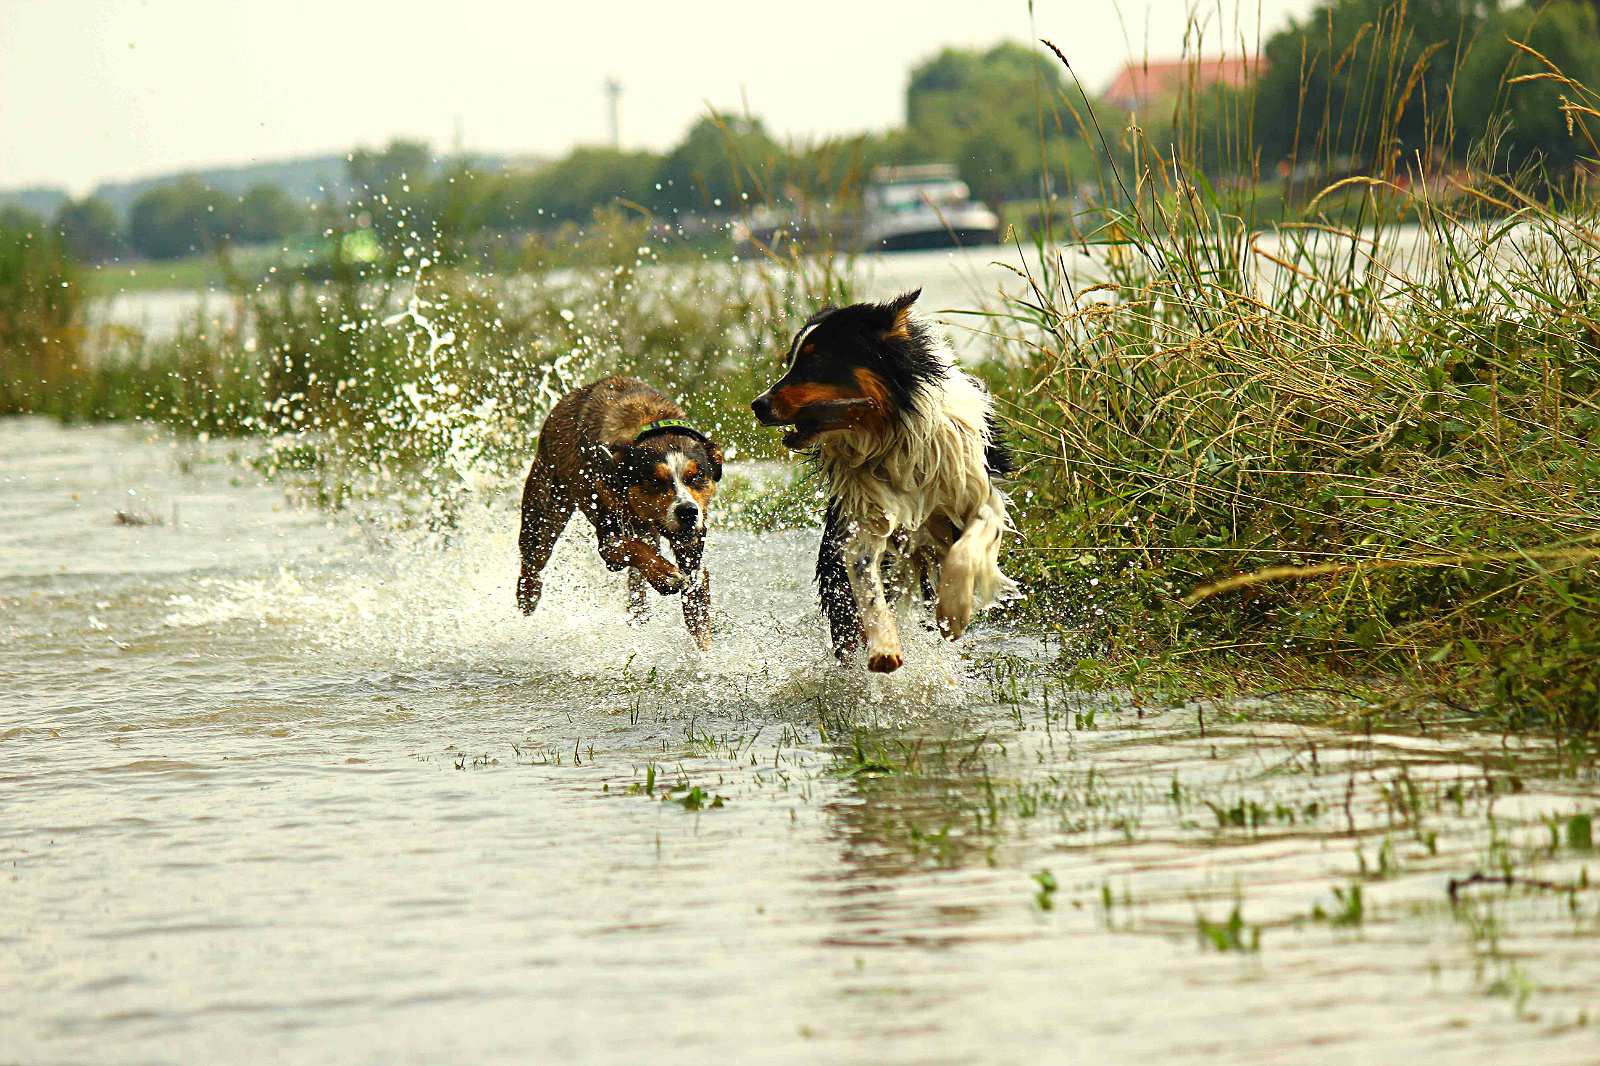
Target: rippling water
column 284, row 785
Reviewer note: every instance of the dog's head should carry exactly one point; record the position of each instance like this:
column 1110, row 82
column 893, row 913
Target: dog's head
column 666, row 477
column 854, row 368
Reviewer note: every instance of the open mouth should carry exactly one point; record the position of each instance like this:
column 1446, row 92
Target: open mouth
column 803, row 434
column 813, row 420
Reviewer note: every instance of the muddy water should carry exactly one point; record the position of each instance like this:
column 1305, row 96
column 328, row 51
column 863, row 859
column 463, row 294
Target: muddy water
column 285, row 786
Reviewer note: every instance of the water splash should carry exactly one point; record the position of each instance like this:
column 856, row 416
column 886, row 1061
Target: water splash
column 444, row 605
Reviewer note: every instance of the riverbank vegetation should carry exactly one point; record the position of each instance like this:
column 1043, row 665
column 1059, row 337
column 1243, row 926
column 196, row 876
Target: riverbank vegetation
column 1369, row 449
column 432, row 380
column 1364, row 451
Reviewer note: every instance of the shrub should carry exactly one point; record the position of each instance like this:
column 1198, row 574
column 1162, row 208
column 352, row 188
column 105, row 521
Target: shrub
column 41, row 309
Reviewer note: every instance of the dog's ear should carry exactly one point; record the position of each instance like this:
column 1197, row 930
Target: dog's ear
column 614, row 461
column 901, row 304
column 714, row 453
column 895, row 316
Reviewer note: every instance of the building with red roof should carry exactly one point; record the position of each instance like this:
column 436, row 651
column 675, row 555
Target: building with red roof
column 1144, row 82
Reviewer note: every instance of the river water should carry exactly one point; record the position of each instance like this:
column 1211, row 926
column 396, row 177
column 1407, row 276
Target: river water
column 953, row 280
column 281, row 785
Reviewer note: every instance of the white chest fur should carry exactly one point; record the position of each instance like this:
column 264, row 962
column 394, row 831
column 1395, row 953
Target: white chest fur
column 933, row 461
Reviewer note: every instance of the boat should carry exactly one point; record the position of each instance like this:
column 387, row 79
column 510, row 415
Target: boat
column 925, row 206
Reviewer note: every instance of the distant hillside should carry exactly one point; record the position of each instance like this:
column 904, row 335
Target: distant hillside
column 40, row 200
column 307, row 180
column 303, row 179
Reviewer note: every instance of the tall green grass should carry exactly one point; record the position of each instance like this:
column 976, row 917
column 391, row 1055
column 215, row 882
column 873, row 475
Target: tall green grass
column 1372, row 441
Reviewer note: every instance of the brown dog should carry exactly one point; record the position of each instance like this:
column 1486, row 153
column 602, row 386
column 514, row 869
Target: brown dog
column 622, row 453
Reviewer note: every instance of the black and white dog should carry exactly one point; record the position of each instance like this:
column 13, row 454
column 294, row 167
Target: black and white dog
column 908, row 443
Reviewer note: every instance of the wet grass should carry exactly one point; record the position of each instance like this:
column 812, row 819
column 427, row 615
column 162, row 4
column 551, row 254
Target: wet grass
column 1360, row 446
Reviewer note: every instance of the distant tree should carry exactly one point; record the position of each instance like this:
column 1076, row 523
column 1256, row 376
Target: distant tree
column 1525, row 122
column 1002, row 115
column 1364, row 78
column 400, row 164
column 89, row 228
column 267, row 213
column 958, row 70
column 184, row 219
column 393, row 188
column 506, row 200
column 587, row 178
column 19, row 223
column 719, row 159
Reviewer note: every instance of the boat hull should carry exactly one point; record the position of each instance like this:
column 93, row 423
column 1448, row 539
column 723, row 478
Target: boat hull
column 916, row 240
column 963, row 225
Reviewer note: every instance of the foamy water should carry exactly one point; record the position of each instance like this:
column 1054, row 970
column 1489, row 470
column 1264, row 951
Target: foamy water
column 284, row 785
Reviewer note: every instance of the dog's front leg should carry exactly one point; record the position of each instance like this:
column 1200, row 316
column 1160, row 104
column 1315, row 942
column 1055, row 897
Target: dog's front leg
column 976, row 549
column 865, row 554
column 638, row 605
column 544, row 515
column 620, row 551
column 697, row 595
column 833, row 586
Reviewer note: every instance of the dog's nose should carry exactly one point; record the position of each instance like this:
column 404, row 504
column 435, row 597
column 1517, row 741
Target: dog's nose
column 687, row 514
column 762, row 406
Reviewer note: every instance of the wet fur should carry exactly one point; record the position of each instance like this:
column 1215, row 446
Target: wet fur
column 589, row 460
column 908, row 444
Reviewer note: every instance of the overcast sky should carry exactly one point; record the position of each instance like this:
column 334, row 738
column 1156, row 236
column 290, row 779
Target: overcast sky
column 108, row 90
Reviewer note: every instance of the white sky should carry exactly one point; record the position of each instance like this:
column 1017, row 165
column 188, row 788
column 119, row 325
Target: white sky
column 108, row 90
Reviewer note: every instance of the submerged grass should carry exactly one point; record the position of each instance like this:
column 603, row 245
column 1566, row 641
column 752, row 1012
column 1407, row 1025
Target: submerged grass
column 1249, row 840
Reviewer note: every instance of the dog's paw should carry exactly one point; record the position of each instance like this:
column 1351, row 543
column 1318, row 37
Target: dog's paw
column 885, row 662
column 672, row 582
column 953, row 623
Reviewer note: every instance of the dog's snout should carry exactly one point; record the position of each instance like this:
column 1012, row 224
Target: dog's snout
column 687, row 514
column 762, row 406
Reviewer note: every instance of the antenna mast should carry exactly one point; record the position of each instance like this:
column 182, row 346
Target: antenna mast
column 613, row 91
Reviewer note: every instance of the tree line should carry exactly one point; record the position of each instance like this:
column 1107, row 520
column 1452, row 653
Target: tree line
column 978, row 108
column 1380, row 85
column 1357, row 84
column 169, row 222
